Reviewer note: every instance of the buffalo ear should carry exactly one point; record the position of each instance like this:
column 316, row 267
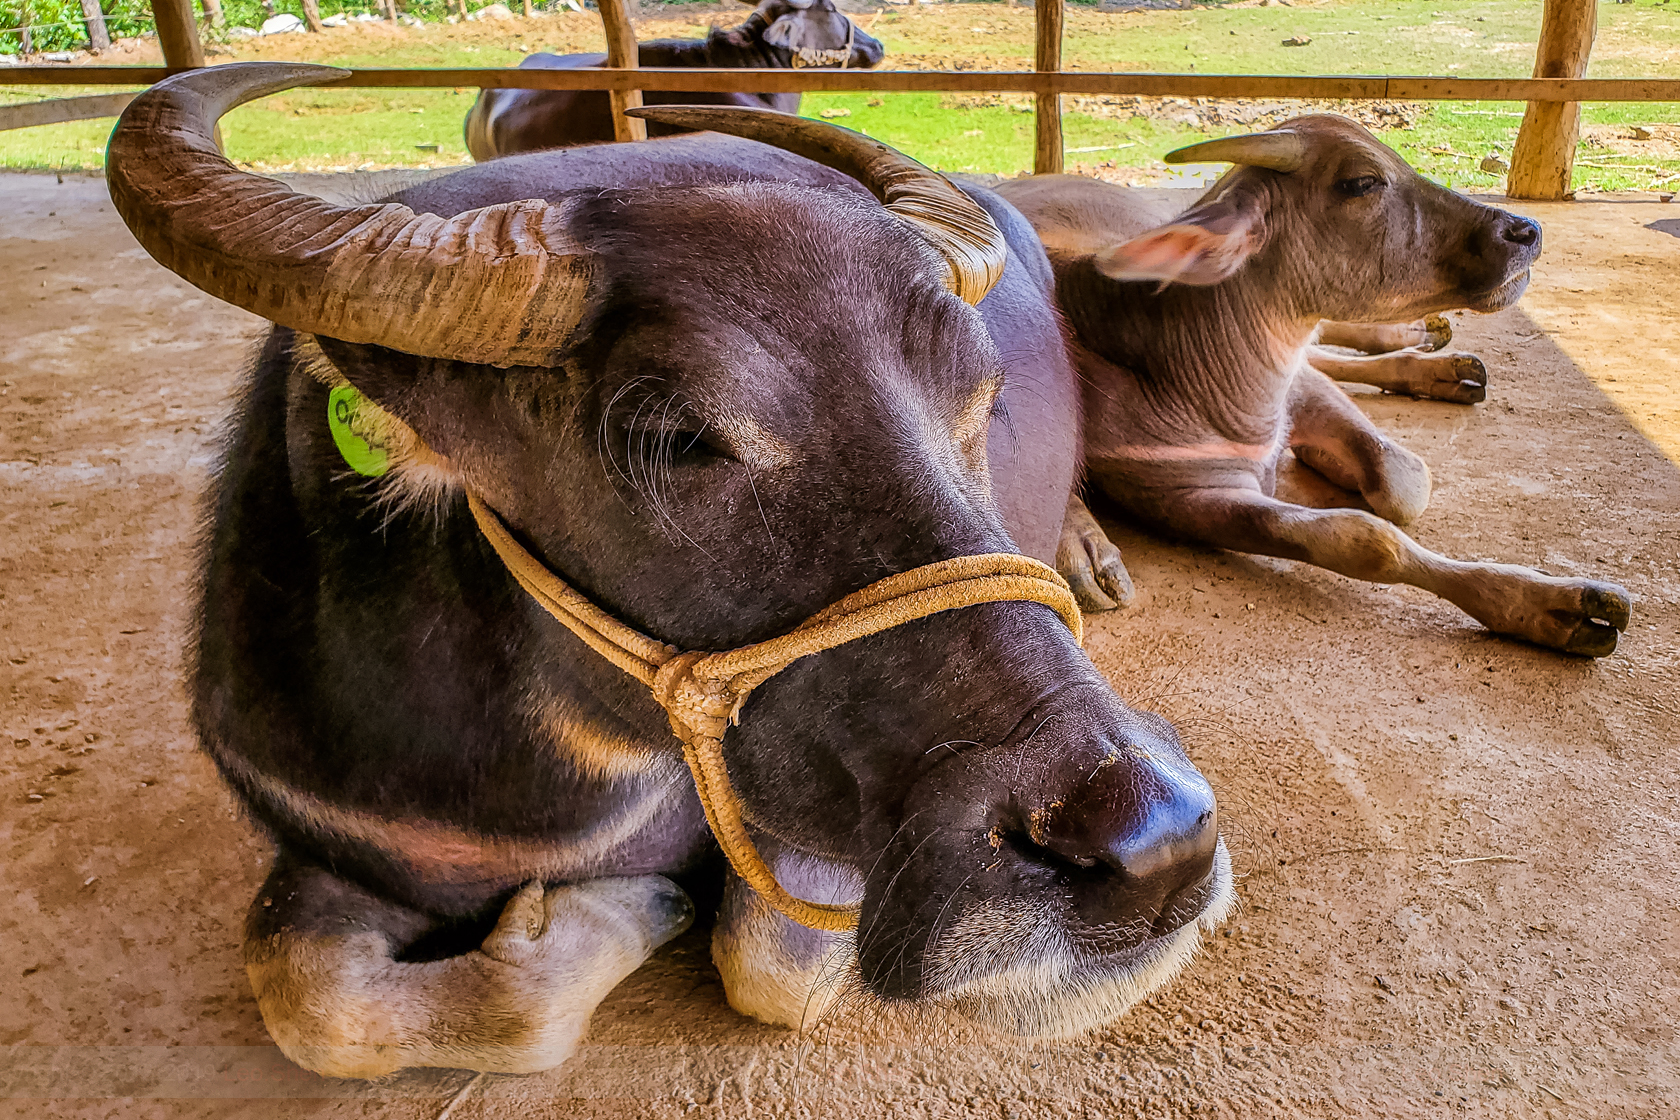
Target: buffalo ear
column 1205, row 245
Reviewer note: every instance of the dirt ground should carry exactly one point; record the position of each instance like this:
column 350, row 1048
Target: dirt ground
column 1456, row 855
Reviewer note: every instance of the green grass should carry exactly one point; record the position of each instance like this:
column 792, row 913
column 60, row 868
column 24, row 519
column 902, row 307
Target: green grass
column 989, row 138
column 1470, row 38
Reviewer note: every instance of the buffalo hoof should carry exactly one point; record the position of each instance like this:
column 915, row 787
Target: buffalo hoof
column 1584, row 617
column 1098, row 576
column 1440, row 332
column 1090, row 563
column 1462, row 381
column 1606, row 610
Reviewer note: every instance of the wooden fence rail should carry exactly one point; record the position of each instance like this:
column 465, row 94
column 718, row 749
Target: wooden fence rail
column 1350, row 87
column 59, row 110
column 1540, row 164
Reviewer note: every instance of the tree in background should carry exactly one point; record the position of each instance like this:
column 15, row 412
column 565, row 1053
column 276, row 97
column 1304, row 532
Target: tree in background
column 30, row 26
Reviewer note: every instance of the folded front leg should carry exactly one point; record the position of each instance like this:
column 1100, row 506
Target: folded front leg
column 774, row 969
column 1331, row 435
column 1580, row 616
column 322, row 956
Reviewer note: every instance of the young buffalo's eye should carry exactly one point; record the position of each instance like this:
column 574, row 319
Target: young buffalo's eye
column 1358, row 186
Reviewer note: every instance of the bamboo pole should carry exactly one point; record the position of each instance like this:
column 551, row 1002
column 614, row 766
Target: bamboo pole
column 1543, row 160
column 178, row 34
column 623, row 55
column 1047, row 115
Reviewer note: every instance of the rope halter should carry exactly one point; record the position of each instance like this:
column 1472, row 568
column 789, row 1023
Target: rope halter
column 703, row 693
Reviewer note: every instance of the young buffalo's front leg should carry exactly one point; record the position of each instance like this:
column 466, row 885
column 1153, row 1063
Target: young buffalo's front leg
column 1090, row 563
column 1432, row 333
column 1452, row 376
column 1579, row 616
column 322, row 956
column 1331, row 435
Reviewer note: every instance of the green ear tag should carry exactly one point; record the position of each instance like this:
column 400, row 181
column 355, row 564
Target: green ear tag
column 358, row 440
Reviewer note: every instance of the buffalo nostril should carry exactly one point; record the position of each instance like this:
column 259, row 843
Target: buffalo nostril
column 1151, row 820
column 1522, row 231
column 1170, row 839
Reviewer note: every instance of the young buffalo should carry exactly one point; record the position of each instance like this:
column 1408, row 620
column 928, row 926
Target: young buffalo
column 1193, row 339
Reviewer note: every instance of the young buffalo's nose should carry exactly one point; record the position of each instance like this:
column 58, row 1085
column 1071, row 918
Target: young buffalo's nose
column 1522, row 231
column 1145, row 825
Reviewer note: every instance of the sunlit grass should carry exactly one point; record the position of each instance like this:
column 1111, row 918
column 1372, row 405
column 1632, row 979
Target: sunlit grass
column 318, row 130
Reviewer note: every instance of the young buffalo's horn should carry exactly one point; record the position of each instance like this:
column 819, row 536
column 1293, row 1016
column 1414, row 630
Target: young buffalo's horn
column 1280, row 151
column 952, row 222
column 503, row 285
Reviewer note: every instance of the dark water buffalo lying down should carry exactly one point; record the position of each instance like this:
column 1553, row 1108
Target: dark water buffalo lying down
column 778, row 35
column 1193, row 339
column 717, row 386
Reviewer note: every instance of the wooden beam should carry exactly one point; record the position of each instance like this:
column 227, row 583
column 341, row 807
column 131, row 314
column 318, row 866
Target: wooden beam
column 61, row 109
column 178, row 34
column 967, row 81
column 1543, row 160
column 622, row 55
column 1047, row 115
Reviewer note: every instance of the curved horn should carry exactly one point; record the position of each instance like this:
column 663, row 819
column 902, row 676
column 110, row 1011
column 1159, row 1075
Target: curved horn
column 952, row 222
column 1280, row 151
column 502, row 286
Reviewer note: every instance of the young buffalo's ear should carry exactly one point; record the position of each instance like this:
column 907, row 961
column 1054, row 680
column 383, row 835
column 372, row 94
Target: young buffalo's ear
column 1205, row 245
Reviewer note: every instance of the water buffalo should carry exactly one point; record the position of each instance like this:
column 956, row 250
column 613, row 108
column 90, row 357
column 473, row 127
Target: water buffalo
column 716, row 386
column 1193, row 338
column 779, row 34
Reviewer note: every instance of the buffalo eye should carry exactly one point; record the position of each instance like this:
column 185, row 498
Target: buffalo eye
column 1358, row 186
column 693, row 448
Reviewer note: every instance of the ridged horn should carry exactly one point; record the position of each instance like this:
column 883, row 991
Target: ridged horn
column 948, row 219
column 1280, row 151
column 503, row 285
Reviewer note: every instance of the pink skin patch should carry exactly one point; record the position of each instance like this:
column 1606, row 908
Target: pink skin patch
column 1218, row 449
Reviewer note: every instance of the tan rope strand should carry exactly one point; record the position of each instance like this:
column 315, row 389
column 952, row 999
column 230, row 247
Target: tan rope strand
column 629, row 649
column 703, row 693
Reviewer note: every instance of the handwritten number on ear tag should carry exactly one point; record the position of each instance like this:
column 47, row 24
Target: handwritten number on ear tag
column 356, row 432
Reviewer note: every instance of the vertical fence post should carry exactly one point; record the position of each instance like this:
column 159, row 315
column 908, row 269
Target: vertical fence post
column 1047, row 147
column 621, row 51
column 98, row 38
column 177, row 33
column 1544, row 156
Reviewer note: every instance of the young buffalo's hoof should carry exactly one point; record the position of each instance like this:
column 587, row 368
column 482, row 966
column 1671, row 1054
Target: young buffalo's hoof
column 1093, row 568
column 1440, row 332
column 1461, row 379
column 1607, row 609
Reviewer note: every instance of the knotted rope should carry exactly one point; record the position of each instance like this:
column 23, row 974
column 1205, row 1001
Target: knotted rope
column 703, row 693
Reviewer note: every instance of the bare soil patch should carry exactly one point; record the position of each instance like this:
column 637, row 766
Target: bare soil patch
column 1456, row 854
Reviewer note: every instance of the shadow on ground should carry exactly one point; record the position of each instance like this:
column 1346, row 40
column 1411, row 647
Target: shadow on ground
column 1455, row 853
